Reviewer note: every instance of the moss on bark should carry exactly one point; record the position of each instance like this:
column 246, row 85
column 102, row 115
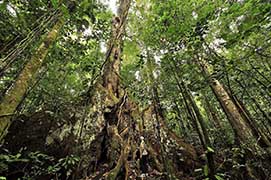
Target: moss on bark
column 14, row 96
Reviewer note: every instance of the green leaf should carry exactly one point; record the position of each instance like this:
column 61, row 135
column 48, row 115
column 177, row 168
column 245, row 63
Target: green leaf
column 209, row 149
column 86, row 17
column 64, row 10
column 18, row 156
column 218, row 177
column 205, row 170
column 55, row 3
column 3, row 6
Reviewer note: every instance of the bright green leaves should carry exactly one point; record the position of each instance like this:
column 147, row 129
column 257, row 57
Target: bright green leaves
column 130, row 52
column 74, row 59
column 130, row 62
column 209, row 149
column 218, row 177
column 205, row 170
column 41, row 164
column 87, row 18
column 65, row 10
column 3, row 6
column 55, row 3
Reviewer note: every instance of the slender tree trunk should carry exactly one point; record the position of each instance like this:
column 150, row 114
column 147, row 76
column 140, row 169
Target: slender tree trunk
column 264, row 125
column 207, row 143
column 263, row 140
column 265, row 115
column 186, row 102
column 14, row 95
column 189, row 125
column 212, row 112
column 197, row 118
column 265, row 88
column 180, row 119
column 158, row 113
column 191, row 113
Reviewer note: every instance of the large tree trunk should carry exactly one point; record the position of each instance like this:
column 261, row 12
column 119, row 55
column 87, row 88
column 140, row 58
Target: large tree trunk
column 122, row 129
column 242, row 130
column 15, row 94
column 118, row 138
column 113, row 55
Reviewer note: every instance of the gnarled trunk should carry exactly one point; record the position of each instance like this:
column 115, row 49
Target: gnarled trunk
column 121, row 116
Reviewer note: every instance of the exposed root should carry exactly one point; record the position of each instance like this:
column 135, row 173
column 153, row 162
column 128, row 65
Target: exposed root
column 112, row 131
column 122, row 160
column 154, row 156
column 121, row 107
column 124, row 132
column 126, row 166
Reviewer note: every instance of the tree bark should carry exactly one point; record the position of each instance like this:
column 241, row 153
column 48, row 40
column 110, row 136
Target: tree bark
column 14, row 95
column 261, row 137
column 241, row 128
column 115, row 100
column 212, row 112
column 111, row 69
column 206, row 143
column 180, row 119
column 198, row 123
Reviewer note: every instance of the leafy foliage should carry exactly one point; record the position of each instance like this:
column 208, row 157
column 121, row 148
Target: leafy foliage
column 39, row 165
